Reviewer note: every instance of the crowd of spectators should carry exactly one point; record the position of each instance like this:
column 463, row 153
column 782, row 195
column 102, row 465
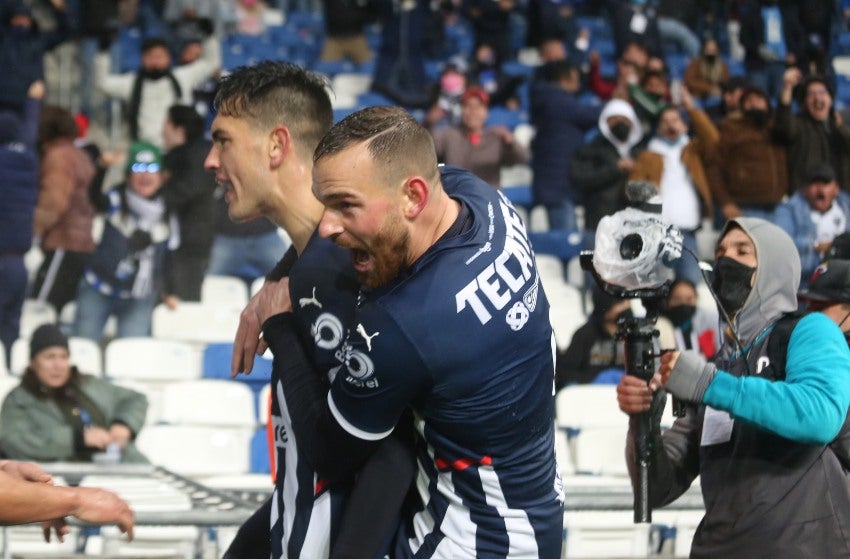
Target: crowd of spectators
column 728, row 107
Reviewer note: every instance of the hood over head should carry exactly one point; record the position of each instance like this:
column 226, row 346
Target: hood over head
column 618, row 107
column 777, row 276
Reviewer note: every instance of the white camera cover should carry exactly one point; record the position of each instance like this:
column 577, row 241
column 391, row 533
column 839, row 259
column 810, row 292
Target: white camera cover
column 661, row 243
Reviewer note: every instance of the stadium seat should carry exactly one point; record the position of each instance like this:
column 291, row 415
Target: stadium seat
column 194, row 450
column 34, row 314
column 260, row 462
column 602, row 450
column 604, row 534
column 557, row 242
column 502, row 116
column 515, row 175
column 580, row 406
column 7, row 383
column 152, row 359
column 199, row 323
column 216, row 365
column 263, row 404
column 209, row 402
column 224, row 290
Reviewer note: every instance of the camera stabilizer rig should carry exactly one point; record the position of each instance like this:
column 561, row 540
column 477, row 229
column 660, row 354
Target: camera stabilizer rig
column 638, row 334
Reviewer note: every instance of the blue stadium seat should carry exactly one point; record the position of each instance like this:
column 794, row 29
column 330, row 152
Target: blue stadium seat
column 519, row 196
column 260, row 462
column 216, row 365
column 557, row 242
column 343, row 112
column 373, row 99
column 677, row 64
column 129, row 48
column 333, row 67
column 515, row 68
column 502, row 116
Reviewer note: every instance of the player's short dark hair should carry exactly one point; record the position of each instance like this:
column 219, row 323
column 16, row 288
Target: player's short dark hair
column 273, row 93
column 396, row 140
column 187, row 118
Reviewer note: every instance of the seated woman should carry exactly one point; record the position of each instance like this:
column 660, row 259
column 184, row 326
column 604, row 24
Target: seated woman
column 58, row 413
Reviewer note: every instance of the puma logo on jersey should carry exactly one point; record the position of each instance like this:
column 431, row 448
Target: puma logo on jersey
column 304, row 301
column 362, row 331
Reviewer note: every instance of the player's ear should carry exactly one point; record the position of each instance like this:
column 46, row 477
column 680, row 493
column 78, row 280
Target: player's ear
column 416, row 192
column 280, row 144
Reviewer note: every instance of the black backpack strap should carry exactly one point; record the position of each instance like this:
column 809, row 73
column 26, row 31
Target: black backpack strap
column 777, row 344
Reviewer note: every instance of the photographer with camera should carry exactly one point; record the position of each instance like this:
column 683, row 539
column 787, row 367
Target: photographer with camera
column 763, row 434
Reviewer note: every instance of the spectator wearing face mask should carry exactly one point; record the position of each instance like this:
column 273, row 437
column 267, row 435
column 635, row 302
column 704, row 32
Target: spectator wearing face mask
column 601, row 167
column 674, row 163
column 694, row 326
column 22, row 49
column 749, row 173
column 594, row 347
column 445, row 106
column 156, row 86
column 815, row 215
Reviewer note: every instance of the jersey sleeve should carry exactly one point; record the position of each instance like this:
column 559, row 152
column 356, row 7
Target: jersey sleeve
column 811, row 403
column 382, row 372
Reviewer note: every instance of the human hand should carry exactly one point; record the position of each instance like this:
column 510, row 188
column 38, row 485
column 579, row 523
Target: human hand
column 668, row 361
column 687, row 98
column 271, row 299
column 171, row 301
column 36, row 90
column 58, row 525
column 821, row 248
column 96, row 437
column 791, row 78
column 634, row 395
column 626, row 164
column 503, row 133
column 26, row 471
column 98, row 506
column 120, row 434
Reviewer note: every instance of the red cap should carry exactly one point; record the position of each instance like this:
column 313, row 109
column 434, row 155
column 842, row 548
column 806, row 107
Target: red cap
column 477, row 93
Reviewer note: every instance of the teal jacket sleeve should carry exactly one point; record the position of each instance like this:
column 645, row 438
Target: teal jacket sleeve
column 810, row 405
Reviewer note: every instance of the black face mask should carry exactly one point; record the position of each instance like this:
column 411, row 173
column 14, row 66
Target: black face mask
column 680, row 314
column 732, row 283
column 711, row 58
column 621, row 131
column 154, row 74
column 757, row 116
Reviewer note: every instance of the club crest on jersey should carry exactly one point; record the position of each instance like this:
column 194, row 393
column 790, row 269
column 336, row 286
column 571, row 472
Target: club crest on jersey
column 327, row 331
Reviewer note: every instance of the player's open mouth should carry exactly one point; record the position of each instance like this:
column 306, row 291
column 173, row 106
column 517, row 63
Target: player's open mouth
column 361, row 259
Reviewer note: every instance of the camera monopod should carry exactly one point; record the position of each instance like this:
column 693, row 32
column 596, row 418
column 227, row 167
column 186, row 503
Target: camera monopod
column 638, row 335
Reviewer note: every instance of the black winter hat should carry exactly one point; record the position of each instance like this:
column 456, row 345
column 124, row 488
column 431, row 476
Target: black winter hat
column 45, row 336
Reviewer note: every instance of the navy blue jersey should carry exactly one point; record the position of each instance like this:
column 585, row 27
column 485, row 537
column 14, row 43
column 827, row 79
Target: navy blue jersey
column 306, row 510
column 464, row 339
